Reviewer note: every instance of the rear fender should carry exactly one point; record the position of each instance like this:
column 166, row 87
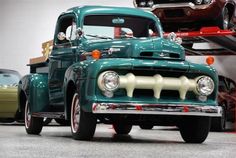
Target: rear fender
column 34, row 88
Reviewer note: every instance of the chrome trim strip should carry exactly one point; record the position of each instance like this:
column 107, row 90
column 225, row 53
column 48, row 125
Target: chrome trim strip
column 156, row 109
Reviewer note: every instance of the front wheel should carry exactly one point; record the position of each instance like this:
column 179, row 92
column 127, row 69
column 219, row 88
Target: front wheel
column 46, row 121
column 83, row 124
column 33, row 125
column 62, row 122
column 122, row 128
column 194, row 129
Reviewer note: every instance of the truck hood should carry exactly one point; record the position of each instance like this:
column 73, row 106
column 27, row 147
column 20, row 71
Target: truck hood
column 149, row 48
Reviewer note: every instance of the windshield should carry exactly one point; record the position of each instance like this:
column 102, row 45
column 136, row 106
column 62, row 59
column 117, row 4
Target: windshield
column 9, row 78
column 110, row 27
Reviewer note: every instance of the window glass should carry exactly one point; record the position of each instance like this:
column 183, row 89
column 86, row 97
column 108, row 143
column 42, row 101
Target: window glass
column 231, row 85
column 8, row 78
column 91, row 32
column 67, row 26
column 109, row 27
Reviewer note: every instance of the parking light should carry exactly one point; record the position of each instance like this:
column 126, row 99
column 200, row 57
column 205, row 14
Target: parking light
column 210, row 60
column 96, row 54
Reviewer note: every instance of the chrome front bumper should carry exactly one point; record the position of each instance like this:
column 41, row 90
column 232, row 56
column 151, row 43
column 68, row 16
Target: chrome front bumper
column 175, row 5
column 156, row 109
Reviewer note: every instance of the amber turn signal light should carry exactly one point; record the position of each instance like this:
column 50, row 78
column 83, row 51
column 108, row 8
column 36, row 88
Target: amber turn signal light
column 96, row 54
column 210, row 60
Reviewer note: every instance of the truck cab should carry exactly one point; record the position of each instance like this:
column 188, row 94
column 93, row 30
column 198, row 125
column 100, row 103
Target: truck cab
column 113, row 65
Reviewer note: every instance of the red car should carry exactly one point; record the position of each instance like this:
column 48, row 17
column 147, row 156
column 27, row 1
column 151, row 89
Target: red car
column 184, row 15
column 227, row 100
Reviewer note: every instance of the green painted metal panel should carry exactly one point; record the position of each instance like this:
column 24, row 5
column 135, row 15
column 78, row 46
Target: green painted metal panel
column 38, row 93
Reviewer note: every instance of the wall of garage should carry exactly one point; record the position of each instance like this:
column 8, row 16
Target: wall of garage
column 225, row 65
column 25, row 24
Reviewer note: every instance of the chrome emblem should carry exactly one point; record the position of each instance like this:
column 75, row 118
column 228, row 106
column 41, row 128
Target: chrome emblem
column 112, row 50
column 162, row 54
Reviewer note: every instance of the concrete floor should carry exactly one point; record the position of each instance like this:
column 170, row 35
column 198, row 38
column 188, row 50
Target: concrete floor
column 56, row 142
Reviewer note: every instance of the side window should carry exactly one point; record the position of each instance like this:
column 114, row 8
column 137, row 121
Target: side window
column 222, row 85
column 66, row 28
column 153, row 32
column 231, row 85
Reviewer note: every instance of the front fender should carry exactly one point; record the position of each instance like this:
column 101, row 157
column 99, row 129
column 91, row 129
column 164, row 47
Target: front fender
column 74, row 80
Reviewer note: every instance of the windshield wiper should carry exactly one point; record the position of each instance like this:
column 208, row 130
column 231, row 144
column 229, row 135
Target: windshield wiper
column 126, row 36
column 97, row 36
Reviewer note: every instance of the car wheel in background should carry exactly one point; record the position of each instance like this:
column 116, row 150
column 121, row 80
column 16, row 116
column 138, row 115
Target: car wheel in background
column 122, row 128
column 62, row 122
column 223, row 21
column 46, row 121
column 146, row 126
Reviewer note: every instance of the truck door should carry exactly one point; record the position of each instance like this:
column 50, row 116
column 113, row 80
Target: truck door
column 62, row 56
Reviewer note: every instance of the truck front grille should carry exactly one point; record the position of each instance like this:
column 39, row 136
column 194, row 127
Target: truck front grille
column 157, row 84
column 174, row 13
column 165, row 84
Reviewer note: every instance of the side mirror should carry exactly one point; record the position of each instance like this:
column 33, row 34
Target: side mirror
column 61, row 36
column 172, row 37
column 79, row 33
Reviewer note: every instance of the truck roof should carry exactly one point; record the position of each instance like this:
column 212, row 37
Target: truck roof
column 98, row 10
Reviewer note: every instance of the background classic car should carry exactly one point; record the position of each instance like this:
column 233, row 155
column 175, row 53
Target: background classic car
column 8, row 94
column 226, row 99
column 177, row 15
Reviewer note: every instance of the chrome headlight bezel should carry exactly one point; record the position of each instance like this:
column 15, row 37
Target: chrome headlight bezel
column 142, row 4
column 108, row 81
column 205, row 86
column 150, row 3
column 198, row 2
column 207, row 1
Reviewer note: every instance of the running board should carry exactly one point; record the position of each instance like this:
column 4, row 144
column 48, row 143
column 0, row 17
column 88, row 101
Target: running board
column 53, row 115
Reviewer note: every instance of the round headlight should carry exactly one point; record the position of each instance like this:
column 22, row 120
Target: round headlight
column 110, row 80
column 142, row 4
column 150, row 3
column 205, row 85
column 206, row 1
column 198, row 1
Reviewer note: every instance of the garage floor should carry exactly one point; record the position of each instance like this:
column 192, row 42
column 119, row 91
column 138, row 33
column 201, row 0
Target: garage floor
column 56, row 142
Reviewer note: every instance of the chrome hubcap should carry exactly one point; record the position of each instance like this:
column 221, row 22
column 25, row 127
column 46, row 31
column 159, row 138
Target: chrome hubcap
column 75, row 113
column 226, row 20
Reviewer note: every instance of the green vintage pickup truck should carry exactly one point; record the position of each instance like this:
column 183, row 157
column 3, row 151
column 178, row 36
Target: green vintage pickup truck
column 113, row 65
